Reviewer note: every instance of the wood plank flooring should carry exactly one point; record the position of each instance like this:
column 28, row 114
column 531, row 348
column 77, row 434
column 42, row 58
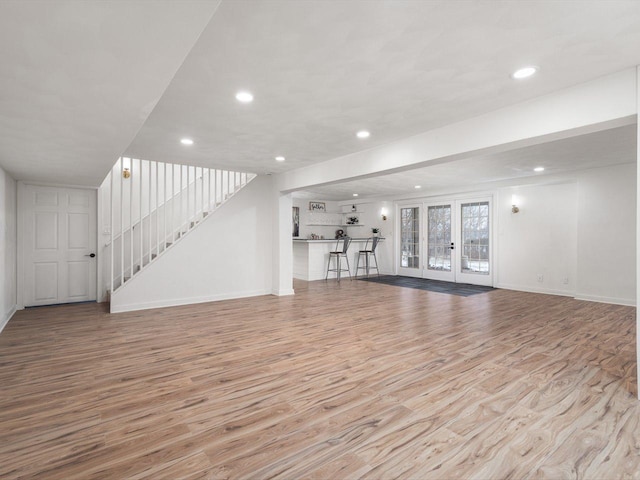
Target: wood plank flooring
column 340, row 381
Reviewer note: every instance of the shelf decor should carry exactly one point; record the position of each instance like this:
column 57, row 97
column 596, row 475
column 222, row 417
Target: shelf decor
column 317, row 207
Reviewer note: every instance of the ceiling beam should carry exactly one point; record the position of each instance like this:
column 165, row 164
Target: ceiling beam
column 604, row 103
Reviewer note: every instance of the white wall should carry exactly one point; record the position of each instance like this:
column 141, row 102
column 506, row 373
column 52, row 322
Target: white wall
column 371, row 217
column 228, row 256
column 306, row 217
column 538, row 240
column 8, row 251
column 607, row 235
column 580, row 227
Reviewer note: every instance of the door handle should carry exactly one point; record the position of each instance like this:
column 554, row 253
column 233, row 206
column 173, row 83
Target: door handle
column 92, row 255
column 452, row 246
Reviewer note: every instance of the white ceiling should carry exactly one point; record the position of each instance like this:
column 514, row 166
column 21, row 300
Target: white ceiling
column 79, row 78
column 605, row 148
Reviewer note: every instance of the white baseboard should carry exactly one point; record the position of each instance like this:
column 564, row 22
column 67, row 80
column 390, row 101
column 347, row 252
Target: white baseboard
column 613, row 300
column 184, row 301
column 545, row 291
column 589, row 298
column 283, row 292
column 7, row 317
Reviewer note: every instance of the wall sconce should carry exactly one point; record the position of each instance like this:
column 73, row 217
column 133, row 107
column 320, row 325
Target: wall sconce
column 125, row 163
column 514, row 204
column 383, row 213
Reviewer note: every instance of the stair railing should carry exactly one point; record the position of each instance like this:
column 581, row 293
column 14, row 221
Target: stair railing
column 154, row 204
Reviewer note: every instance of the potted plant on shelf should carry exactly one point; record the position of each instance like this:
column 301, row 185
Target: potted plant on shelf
column 375, row 231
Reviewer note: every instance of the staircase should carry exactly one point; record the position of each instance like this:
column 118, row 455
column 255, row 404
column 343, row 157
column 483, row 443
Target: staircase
column 153, row 205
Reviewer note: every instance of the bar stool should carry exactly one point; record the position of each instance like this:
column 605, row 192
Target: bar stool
column 338, row 255
column 367, row 252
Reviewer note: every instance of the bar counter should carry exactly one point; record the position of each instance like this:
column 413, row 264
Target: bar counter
column 310, row 257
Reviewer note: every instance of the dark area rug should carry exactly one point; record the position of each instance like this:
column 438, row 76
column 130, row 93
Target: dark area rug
column 461, row 289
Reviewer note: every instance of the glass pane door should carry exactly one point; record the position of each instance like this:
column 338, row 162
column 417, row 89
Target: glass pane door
column 475, row 243
column 440, row 243
column 410, row 242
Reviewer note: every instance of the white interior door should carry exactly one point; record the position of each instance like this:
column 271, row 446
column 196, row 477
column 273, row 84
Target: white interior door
column 59, row 245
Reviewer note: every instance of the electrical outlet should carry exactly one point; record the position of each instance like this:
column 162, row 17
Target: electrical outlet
column 540, row 278
column 565, row 280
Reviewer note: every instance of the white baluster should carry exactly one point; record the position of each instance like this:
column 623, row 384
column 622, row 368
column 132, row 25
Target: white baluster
column 111, row 222
column 121, row 174
column 131, row 180
column 157, row 208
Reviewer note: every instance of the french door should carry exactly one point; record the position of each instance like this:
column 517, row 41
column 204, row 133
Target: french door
column 448, row 240
column 440, row 230
column 410, row 264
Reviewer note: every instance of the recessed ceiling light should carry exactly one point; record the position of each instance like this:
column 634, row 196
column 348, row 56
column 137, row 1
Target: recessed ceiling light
column 279, row 158
column 363, row 134
column 418, row 186
column 355, row 194
column 186, row 141
column 244, row 97
column 538, row 169
column 524, row 72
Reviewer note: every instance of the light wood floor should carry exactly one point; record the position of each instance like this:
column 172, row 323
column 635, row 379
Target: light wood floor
column 355, row 380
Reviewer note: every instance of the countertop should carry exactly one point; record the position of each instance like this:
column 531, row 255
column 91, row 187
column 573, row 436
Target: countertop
column 329, row 240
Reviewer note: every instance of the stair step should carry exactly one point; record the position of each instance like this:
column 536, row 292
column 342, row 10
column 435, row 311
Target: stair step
column 168, row 244
column 153, row 255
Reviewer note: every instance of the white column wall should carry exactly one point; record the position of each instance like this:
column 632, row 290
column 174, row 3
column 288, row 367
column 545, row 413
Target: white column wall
column 607, row 235
column 8, row 247
column 282, row 261
column 637, row 228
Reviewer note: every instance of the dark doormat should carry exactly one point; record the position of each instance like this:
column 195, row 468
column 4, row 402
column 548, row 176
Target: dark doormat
column 461, row 289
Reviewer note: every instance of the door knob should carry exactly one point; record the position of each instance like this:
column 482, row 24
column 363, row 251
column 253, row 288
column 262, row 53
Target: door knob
column 452, row 247
column 92, row 255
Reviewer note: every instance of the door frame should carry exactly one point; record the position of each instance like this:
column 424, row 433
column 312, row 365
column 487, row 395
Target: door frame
column 20, row 234
column 455, row 199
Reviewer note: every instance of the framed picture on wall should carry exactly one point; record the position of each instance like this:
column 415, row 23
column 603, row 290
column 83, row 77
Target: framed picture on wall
column 317, row 207
column 296, row 221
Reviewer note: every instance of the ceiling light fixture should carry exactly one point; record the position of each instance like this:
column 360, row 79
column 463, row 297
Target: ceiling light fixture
column 186, row 141
column 524, row 72
column 279, row 158
column 363, row 134
column 355, row 194
column 418, row 187
column 244, row 97
column 538, row 169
